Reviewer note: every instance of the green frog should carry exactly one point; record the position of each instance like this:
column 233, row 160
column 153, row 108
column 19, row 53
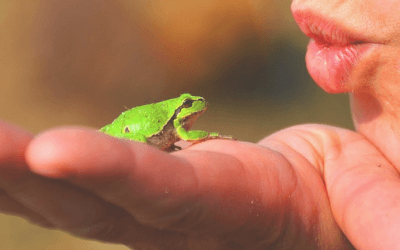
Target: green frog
column 164, row 123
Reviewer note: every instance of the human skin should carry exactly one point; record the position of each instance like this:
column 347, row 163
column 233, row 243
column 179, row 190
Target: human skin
column 305, row 187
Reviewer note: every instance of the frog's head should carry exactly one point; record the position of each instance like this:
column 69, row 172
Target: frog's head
column 190, row 108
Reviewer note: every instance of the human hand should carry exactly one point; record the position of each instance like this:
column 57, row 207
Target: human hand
column 354, row 48
column 214, row 195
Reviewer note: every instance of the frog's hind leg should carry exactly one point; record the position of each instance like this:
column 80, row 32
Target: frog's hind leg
column 136, row 137
column 173, row 148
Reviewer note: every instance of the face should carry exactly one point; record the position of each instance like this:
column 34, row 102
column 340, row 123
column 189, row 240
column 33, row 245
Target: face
column 192, row 106
column 191, row 109
column 355, row 48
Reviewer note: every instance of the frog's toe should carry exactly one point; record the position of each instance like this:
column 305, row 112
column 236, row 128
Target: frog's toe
column 172, row 148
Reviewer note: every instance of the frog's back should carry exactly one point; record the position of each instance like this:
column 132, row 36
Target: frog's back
column 147, row 120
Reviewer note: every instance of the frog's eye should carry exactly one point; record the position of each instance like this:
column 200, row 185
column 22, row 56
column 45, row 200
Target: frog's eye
column 187, row 103
column 127, row 130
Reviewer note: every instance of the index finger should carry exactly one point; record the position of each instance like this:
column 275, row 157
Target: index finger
column 13, row 142
column 195, row 188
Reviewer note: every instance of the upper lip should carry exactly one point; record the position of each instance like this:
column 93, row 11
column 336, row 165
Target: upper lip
column 326, row 31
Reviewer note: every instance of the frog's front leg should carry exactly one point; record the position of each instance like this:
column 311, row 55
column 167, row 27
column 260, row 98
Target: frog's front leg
column 196, row 136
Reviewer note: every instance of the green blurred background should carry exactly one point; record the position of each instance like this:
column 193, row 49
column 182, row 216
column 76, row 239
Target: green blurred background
column 82, row 62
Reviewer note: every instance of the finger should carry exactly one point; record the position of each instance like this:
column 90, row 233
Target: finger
column 13, row 142
column 47, row 202
column 306, row 147
column 9, row 206
column 26, row 194
column 188, row 190
column 362, row 185
column 364, row 189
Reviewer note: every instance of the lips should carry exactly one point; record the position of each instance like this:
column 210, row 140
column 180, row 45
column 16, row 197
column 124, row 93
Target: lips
column 332, row 53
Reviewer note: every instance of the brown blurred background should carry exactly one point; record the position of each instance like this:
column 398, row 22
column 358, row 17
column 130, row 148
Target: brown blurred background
column 82, row 62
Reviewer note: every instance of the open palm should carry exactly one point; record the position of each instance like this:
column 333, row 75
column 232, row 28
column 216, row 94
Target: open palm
column 306, row 187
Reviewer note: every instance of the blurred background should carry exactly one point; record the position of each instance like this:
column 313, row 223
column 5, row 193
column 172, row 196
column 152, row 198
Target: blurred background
column 82, row 62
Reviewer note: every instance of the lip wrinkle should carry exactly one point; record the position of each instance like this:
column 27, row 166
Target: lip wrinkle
column 333, row 51
column 325, row 31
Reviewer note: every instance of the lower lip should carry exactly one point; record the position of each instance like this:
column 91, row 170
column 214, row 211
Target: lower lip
column 330, row 66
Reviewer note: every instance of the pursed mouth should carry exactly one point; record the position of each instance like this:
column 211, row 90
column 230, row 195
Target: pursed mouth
column 333, row 51
column 326, row 32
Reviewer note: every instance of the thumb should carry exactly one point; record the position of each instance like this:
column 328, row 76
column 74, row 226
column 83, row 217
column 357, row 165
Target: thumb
column 364, row 190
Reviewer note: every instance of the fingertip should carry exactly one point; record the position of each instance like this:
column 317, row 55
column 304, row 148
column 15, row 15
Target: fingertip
column 40, row 154
column 51, row 152
column 78, row 152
